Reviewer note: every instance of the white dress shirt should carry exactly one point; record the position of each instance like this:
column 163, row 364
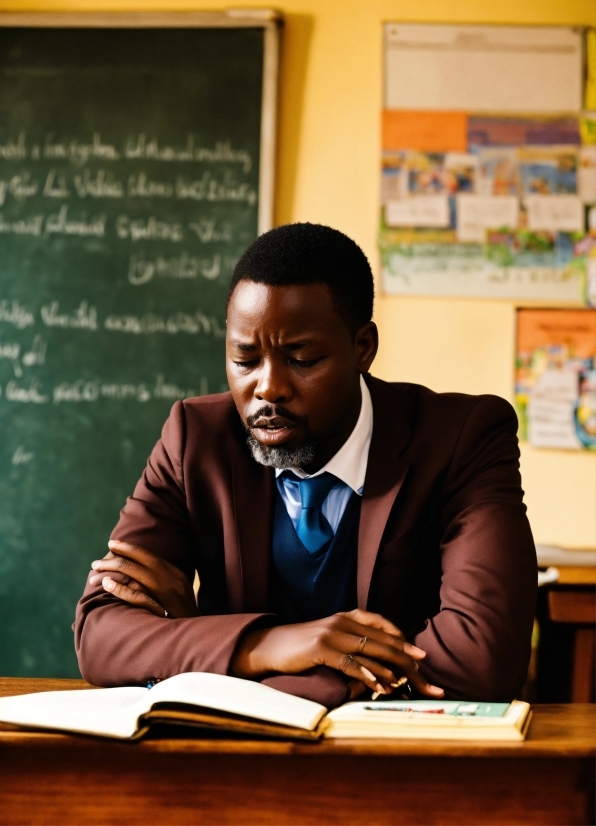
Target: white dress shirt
column 348, row 465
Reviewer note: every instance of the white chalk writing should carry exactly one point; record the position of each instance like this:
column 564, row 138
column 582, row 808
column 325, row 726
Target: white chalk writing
column 11, row 351
column 14, row 150
column 196, row 324
column 142, row 270
column 102, row 184
column 77, row 152
column 169, row 390
column 31, row 394
column 55, row 186
column 140, row 186
column 208, row 231
column 15, row 314
column 146, row 229
column 20, row 187
column 22, row 456
column 83, row 318
column 140, row 148
column 60, row 224
column 32, row 225
column 208, row 188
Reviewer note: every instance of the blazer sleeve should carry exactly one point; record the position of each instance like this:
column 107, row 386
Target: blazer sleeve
column 119, row 644
column 478, row 645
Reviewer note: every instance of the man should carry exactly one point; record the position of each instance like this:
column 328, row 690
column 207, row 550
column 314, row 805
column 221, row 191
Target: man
column 347, row 533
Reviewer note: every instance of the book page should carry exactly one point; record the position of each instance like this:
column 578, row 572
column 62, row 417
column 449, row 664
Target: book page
column 237, row 696
column 105, row 711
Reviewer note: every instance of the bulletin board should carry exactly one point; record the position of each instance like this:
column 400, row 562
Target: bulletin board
column 555, row 377
column 488, row 178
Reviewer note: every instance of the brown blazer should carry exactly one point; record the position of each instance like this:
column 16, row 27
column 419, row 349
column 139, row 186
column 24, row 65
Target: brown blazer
column 444, row 546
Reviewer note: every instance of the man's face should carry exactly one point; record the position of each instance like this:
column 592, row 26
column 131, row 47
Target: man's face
column 293, row 367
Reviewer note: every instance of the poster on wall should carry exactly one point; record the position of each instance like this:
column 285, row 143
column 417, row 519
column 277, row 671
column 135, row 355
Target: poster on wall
column 555, row 378
column 488, row 179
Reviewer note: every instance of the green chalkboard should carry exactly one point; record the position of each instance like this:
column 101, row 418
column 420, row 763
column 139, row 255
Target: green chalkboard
column 131, row 171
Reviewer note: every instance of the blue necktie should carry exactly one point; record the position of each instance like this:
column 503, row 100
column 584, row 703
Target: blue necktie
column 313, row 530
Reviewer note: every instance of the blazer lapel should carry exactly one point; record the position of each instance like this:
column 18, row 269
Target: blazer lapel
column 247, row 565
column 385, row 474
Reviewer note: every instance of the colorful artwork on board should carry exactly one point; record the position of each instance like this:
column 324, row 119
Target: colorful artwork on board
column 512, row 213
column 555, row 378
column 489, row 162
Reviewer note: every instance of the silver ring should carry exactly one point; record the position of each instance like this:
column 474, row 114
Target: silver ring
column 351, row 660
column 165, row 613
column 363, row 641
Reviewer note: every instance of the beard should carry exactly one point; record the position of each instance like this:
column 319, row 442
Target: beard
column 280, row 457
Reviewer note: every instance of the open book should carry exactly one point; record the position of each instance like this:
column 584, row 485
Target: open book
column 228, row 704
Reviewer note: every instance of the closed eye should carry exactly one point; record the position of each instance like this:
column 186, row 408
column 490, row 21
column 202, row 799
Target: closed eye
column 247, row 365
column 304, row 362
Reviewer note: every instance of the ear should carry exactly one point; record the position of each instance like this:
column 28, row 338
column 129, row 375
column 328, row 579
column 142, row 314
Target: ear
column 366, row 343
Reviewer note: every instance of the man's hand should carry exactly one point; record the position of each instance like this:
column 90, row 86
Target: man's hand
column 144, row 580
column 364, row 646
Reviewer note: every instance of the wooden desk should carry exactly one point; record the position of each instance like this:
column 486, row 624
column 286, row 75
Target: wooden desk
column 52, row 778
column 575, row 604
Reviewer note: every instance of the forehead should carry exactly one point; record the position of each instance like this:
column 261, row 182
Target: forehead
column 291, row 309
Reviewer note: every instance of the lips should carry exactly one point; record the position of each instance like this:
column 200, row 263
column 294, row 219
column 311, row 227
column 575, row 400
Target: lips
column 273, row 431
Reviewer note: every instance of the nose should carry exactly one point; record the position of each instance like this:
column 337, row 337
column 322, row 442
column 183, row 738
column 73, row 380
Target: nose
column 272, row 384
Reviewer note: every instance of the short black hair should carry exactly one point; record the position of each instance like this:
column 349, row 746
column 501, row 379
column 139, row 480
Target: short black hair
column 312, row 254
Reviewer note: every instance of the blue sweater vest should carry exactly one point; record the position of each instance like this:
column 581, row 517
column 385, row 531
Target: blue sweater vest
column 307, row 586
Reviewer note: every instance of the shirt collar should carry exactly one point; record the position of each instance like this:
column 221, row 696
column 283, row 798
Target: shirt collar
column 349, row 463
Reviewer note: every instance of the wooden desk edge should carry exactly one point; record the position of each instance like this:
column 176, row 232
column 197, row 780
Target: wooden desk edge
column 574, row 741
column 555, row 731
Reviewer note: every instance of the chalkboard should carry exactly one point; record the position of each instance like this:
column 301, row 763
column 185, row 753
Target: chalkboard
column 135, row 166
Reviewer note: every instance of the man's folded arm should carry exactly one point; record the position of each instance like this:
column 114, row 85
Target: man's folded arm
column 120, row 644
column 478, row 645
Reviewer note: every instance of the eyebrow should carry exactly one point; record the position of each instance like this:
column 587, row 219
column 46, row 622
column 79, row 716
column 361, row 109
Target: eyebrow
column 294, row 345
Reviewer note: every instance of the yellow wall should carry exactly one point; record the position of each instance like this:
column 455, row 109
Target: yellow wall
column 329, row 172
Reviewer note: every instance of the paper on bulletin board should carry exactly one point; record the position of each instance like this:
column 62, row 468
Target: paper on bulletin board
column 555, row 378
column 516, row 69
column 481, row 204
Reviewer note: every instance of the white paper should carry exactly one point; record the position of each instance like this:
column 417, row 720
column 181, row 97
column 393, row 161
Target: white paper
column 506, row 69
column 555, row 213
column 114, row 712
column 418, row 211
column 498, row 172
column 550, row 411
column 477, row 213
column 420, row 276
column 586, row 174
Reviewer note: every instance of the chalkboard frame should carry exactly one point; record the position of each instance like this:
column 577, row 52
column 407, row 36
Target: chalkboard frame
column 270, row 20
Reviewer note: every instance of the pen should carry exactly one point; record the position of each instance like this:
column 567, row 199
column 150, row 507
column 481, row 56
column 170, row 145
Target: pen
column 405, row 710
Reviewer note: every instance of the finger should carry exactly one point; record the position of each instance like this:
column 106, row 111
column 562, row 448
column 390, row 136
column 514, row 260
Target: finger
column 393, row 655
column 350, row 666
column 370, row 632
column 381, row 673
column 137, row 598
column 96, row 578
column 370, row 620
column 128, row 567
column 374, row 621
column 135, row 552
